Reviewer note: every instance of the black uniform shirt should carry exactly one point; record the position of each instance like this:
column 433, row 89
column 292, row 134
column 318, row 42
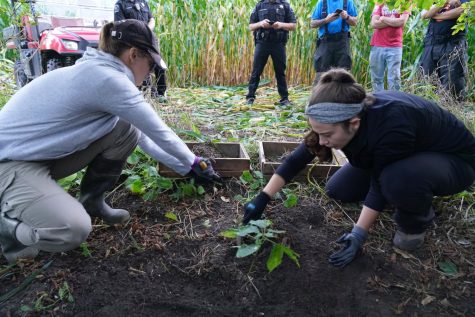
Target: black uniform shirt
column 279, row 11
column 442, row 28
column 397, row 126
column 132, row 9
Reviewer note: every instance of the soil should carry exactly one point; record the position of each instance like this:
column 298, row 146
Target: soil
column 206, row 150
column 154, row 266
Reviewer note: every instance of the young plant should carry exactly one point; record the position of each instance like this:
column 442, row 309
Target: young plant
column 258, row 232
column 253, row 182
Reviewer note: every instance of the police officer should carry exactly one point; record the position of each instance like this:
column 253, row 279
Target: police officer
column 271, row 22
column 139, row 10
column 444, row 53
column 333, row 19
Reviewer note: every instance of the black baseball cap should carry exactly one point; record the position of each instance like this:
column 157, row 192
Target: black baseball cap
column 137, row 34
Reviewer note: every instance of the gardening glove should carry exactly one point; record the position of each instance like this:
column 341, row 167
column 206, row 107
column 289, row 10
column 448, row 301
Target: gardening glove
column 203, row 171
column 253, row 210
column 353, row 242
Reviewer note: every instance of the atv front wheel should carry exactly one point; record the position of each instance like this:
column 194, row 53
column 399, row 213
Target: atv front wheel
column 19, row 74
column 52, row 64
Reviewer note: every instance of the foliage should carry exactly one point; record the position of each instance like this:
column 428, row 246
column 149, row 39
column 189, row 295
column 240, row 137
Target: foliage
column 143, row 179
column 258, row 232
column 253, row 182
column 220, row 46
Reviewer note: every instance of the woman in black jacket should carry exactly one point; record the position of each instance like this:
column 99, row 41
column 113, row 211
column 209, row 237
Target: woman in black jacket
column 402, row 149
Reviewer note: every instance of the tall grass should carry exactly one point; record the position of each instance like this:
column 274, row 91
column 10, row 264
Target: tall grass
column 208, row 42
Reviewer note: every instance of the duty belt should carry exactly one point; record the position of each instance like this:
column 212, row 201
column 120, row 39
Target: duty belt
column 333, row 37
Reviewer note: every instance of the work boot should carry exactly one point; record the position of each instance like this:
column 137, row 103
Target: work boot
column 408, row 242
column 250, row 101
column 10, row 245
column 285, row 102
column 101, row 175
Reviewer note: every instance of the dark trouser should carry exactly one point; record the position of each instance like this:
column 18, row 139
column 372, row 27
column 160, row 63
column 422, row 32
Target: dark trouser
column 449, row 61
column 331, row 53
column 409, row 184
column 276, row 50
column 158, row 85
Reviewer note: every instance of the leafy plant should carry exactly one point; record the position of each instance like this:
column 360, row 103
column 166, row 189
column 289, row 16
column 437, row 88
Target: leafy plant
column 258, row 232
column 253, row 182
column 187, row 189
column 85, row 249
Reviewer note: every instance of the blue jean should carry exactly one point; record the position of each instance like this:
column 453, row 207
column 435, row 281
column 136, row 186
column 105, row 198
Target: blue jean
column 382, row 58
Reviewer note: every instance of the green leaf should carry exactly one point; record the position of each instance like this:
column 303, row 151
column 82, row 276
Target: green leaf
column 170, row 215
column 152, row 171
column 136, row 187
column 246, row 230
column 275, row 257
column 246, row 177
column 164, row 183
column 448, row 267
column 133, row 159
column 150, row 195
column 291, row 201
column 246, row 250
column 294, row 256
column 200, row 190
column 264, row 223
column 188, row 190
column 230, row 233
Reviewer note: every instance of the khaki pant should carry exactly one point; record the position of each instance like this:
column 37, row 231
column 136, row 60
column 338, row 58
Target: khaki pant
column 50, row 218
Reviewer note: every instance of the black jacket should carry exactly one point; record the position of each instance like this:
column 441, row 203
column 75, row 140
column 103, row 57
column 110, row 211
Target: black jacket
column 395, row 127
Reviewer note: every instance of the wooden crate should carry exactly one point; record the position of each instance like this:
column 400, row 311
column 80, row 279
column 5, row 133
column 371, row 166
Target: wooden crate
column 268, row 151
column 235, row 160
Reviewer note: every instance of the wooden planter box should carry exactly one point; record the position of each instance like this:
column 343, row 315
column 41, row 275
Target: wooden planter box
column 235, row 160
column 269, row 151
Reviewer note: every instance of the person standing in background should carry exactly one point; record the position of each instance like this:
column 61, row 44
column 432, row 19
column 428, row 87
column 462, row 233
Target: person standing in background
column 271, row 21
column 140, row 10
column 445, row 53
column 333, row 19
column 386, row 46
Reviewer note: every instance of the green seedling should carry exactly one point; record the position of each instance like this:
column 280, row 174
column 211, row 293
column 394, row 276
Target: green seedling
column 253, row 182
column 85, row 250
column 259, row 232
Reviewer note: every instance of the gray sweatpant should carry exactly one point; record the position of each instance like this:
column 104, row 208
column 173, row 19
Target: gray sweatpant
column 50, row 218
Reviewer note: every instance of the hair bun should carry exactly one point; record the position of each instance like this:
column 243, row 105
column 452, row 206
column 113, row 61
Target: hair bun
column 337, row 75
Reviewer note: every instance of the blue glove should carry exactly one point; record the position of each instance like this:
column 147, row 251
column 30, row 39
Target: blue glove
column 202, row 170
column 353, row 242
column 253, row 210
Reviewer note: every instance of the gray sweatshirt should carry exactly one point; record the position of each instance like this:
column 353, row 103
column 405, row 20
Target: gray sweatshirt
column 65, row 110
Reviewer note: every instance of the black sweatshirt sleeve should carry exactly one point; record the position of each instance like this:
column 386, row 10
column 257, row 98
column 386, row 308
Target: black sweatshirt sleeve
column 295, row 162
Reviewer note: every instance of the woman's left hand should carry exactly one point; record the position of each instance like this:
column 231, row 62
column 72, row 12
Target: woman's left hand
column 353, row 243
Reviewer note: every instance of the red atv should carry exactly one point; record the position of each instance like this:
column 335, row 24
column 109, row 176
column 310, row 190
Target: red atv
column 45, row 46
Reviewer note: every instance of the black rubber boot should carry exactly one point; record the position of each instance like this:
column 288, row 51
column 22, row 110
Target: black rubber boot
column 101, row 175
column 10, row 245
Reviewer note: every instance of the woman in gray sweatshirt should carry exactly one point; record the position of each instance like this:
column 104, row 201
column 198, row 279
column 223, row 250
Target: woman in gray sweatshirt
column 88, row 115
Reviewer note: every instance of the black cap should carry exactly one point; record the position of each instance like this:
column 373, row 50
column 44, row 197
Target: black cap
column 137, row 34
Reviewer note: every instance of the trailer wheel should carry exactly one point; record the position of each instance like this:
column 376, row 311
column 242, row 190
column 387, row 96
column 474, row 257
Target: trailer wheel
column 52, row 64
column 19, row 74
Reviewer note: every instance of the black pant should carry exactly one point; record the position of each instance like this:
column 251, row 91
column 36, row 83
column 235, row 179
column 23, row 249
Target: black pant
column 277, row 52
column 158, row 85
column 449, row 61
column 331, row 53
column 409, row 184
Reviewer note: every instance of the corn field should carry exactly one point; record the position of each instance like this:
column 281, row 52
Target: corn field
column 208, row 42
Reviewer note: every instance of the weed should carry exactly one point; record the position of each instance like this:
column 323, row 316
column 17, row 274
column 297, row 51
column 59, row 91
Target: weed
column 259, row 232
column 85, row 250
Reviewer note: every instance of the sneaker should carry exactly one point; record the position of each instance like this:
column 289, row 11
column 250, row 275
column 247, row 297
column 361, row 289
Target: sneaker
column 250, row 101
column 285, row 102
column 408, row 242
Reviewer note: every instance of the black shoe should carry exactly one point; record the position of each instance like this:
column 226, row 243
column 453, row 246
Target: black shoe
column 285, row 102
column 101, row 175
column 250, row 101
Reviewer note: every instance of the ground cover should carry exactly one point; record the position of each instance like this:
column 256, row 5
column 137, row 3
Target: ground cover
column 172, row 260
